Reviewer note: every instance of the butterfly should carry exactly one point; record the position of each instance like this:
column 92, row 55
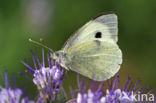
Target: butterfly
column 92, row 50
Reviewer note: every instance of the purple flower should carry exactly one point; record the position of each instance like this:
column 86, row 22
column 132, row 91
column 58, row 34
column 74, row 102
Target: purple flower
column 46, row 78
column 113, row 94
column 9, row 95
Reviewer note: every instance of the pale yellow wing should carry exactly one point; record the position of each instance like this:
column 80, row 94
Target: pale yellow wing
column 96, row 59
column 103, row 27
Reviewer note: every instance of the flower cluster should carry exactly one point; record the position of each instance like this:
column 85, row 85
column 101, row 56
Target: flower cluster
column 47, row 79
column 113, row 93
column 9, row 95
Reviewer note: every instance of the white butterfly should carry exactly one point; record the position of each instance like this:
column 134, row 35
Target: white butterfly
column 92, row 51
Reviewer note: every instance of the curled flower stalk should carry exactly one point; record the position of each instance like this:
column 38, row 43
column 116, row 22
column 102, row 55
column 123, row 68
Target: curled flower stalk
column 48, row 79
column 113, row 93
column 12, row 95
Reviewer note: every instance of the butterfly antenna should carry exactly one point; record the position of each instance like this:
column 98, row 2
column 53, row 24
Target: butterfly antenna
column 40, row 44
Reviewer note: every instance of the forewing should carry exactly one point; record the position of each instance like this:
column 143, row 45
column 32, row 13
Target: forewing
column 106, row 24
column 98, row 60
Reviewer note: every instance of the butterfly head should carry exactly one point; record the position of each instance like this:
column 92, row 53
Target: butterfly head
column 56, row 55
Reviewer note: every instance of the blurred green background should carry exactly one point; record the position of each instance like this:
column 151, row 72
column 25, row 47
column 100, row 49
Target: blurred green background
column 55, row 20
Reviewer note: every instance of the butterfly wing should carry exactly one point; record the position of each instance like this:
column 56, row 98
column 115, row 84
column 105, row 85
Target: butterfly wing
column 105, row 24
column 96, row 59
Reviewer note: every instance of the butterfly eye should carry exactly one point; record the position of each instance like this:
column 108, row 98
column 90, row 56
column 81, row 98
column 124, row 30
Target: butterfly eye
column 98, row 35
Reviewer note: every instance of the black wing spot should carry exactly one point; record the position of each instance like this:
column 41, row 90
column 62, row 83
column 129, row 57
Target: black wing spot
column 98, row 35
